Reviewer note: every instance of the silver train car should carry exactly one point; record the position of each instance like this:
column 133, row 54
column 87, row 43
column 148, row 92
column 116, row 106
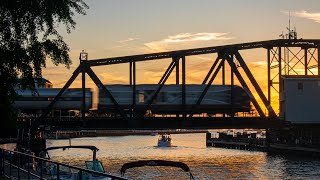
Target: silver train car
column 218, row 99
column 71, row 99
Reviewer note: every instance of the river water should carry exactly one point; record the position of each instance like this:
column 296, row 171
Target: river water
column 204, row 162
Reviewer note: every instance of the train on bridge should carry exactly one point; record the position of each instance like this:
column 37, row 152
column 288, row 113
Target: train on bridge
column 218, row 99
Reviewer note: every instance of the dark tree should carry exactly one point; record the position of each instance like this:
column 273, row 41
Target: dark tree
column 28, row 36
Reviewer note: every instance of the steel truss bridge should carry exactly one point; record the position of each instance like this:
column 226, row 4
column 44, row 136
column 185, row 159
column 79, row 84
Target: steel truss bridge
column 284, row 56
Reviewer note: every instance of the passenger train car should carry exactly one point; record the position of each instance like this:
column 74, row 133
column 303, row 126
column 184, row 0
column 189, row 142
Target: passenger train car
column 71, row 99
column 218, row 99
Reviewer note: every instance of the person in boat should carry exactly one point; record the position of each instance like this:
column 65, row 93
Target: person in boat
column 163, row 138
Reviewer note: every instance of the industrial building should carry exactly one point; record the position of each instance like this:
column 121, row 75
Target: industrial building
column 300, row 102
column 300, row 99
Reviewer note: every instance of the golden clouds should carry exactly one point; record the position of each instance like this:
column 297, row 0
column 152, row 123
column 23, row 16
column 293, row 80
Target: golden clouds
column 308, row 15
column 185, row 40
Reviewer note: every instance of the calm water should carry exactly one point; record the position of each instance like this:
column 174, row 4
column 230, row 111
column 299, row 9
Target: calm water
column 205, row 163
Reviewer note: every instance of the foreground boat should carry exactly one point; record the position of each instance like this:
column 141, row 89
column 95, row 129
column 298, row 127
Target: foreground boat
column 65, row 172
column 142, row 163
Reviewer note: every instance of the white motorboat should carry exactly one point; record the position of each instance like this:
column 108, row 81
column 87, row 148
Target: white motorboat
column 164, row 140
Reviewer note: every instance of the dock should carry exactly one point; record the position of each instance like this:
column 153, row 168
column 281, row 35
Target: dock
column 237, row 143
column 261, row 144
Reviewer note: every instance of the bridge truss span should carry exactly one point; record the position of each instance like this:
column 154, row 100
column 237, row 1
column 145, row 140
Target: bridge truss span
column 281, row 60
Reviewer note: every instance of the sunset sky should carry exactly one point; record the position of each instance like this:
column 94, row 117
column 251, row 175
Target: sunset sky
column 125, row 27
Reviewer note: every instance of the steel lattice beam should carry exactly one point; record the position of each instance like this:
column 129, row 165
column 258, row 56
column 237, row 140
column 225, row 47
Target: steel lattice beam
column 211, row 70
column 100, row 85
column 255, row 84
column 204, row 92
column 245, row 86
column 162, row 81
column 312, row 43
column 69, row 82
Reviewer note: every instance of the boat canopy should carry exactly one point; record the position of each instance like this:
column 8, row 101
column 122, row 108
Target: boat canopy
column 141, row 163
column 93, row 148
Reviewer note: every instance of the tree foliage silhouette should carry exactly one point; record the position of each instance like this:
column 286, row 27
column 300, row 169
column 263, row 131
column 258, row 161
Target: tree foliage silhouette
column 28, row 36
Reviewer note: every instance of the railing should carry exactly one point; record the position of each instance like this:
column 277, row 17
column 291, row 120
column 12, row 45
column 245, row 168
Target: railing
column 18, row 165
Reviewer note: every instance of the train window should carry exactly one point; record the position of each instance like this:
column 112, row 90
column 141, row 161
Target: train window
column 33, row 98
column 163, row 97
column 70, row 98
column 149, row 91
column 141, row 97
column 300, row 86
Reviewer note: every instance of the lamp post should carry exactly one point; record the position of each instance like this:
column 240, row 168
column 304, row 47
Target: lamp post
column 83, row 58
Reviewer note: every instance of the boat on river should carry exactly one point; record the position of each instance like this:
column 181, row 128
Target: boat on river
column 51, row 169
column 164, row 140
column 142, row 163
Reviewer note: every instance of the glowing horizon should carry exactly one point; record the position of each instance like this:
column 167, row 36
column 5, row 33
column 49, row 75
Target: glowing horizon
column 112, row 29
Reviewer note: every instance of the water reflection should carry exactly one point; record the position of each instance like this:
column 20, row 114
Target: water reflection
column 205, row 163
